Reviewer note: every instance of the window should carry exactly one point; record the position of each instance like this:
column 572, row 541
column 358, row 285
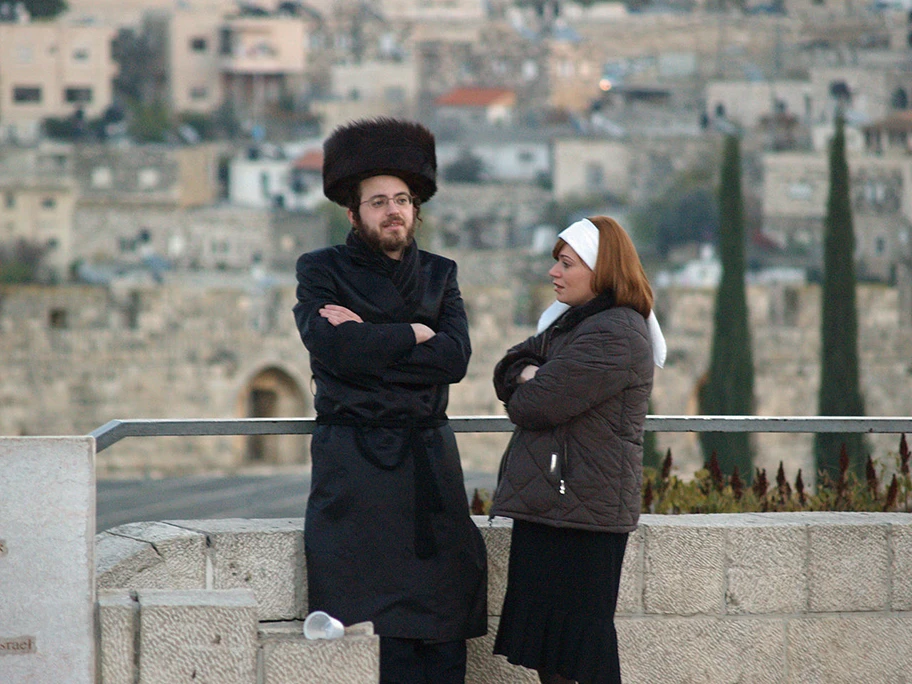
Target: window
column 148, row 179
column 800, row 191
column 26, row 94
column 525, row 156
column 48, row 202
column 875, row 192
column 225, row 41
column 199, row 93
column 198, row 44
column 77, row 95
column 57, row 318
column 880, row 246
column 101, row 177
column 595, row 176
column 394, row 94
column 9, row 200
column 81, row 55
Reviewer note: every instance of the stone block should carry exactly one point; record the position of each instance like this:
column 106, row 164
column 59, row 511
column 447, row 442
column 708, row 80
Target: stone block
column 901, row 546
column 47, row 588
column 849, row 649
column 151, row 555
column 123, row 562
column 767, row 569
column 683, row 568
column 630, row 593
column 265, row 556
column 117, row 613
column 484, row 667
column 708, row 650
column 496, row 534
column 289, row 658
column 197, row 635
column 848, row 566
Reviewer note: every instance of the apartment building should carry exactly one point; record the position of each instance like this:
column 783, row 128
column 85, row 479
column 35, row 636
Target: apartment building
column 471, row 106
column 591, row 166
column 187, row 43
column 255, row 60
column 263, row 59
column 368, row 88
column 288, row 176
column 748, row 103
column 795, row 191
column 52, row 69
column 39, row 211
column 433, row 10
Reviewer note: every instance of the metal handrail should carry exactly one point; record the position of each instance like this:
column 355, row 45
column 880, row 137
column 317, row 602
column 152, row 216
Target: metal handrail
column 115, row 430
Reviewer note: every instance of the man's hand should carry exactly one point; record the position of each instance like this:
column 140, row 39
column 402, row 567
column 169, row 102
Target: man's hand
column 336, row 314
column 422, row 332
column 527, row 374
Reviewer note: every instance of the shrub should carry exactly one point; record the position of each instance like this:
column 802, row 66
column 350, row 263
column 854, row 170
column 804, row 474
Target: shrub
column 711, row 491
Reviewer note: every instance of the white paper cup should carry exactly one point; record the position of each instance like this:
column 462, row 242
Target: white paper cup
column 320, row 625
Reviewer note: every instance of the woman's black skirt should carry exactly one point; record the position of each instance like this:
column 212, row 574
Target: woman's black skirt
column 558, row 614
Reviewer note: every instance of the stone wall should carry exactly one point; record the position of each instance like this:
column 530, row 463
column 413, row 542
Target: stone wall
column 74, row 357
column 775, row 597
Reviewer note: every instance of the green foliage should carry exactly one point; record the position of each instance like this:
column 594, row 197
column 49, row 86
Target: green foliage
column 206, row 126
column 652, row 458
column 149, row 123
column 74, row 128
column 839, row 393
column 685, row 213
column 466, row 169
column 712, row 491
column 337, row 218
column 573, row 208
column 45, row 9
column 729, row 385
column 19, row 262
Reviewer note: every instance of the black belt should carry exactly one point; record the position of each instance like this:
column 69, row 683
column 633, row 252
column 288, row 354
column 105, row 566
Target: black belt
column 427, row 493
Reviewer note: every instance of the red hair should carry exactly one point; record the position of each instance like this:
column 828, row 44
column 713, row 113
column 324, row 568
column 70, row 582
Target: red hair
column 618, row 267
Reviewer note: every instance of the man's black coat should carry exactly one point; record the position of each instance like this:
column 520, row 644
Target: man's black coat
column 388, row 534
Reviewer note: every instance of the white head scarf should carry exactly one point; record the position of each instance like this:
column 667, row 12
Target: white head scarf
column 583, row 238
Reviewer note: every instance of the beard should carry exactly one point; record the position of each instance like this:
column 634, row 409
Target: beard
column 383, row 241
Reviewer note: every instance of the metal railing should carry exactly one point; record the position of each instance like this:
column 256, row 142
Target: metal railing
column 115, row 430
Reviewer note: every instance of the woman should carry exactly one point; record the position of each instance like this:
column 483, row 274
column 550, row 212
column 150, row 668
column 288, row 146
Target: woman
column 577, row 392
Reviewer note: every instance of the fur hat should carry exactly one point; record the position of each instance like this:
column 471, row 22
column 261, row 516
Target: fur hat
column 375, row 147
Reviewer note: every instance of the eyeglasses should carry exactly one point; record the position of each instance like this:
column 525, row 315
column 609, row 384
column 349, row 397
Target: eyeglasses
column 400, row 201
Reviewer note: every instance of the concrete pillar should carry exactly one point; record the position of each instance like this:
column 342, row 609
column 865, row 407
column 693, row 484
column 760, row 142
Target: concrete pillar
column 47, row 563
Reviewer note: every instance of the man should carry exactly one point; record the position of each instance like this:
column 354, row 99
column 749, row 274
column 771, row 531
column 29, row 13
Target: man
column 388, row 535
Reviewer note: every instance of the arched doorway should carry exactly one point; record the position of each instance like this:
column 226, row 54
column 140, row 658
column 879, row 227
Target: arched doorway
column 273, row 393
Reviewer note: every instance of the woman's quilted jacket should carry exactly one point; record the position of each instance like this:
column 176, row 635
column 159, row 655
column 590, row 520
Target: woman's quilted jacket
column 575, row 458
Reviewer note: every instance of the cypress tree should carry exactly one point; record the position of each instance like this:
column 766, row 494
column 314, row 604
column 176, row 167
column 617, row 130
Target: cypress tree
column 729, row 385
column 839, row 393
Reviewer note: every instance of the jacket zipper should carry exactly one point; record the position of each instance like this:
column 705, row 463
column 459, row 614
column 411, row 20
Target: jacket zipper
column 555, row 456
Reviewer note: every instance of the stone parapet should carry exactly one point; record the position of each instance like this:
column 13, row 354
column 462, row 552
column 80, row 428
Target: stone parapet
column 289, row 658
column 760, row 597
column 197, row 635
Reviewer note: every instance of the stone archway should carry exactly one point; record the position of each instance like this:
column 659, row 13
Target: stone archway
column 273, row 393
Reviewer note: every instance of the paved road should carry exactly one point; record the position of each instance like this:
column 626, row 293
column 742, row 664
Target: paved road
column 206, row 497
